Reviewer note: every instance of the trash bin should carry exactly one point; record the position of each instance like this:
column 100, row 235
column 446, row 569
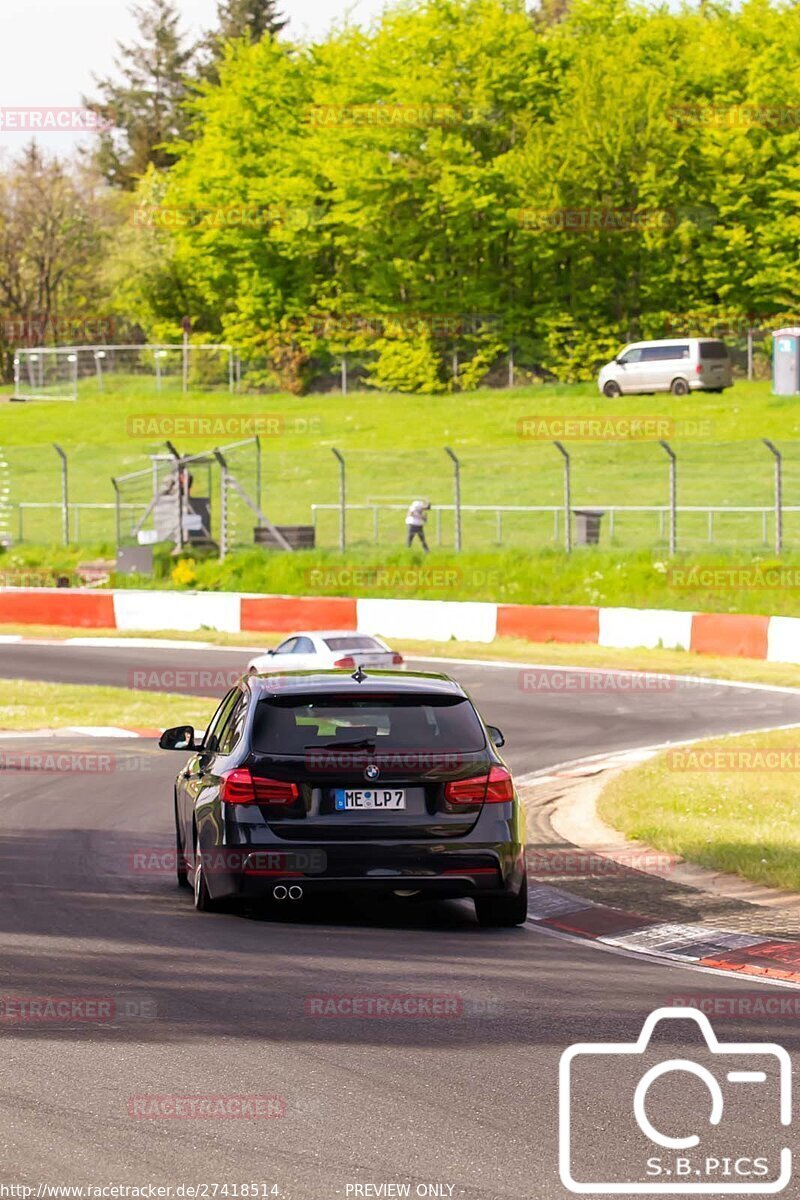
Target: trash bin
column 587, row 525
column 786, row 362
column 299, row 537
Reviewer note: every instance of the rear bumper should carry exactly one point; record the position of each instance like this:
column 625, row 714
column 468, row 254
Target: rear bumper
column 699, row 384
column 463, row 870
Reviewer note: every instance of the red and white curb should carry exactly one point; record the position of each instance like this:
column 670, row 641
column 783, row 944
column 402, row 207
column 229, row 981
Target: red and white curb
column 776, row 639
column 697, row 944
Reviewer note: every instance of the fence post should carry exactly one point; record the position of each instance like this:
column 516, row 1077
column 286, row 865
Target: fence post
column 344, row 374
column 117, row 514
column 510, row 366
column 257, row 441
column 673, row 495
column 567, row 497
column 223, row 505
column 185, row 360
column 73, row 359
column 99, row 355
column 64, row 493
column 178, row 489
column 749, row 352
column 230, row 370
column 773, row 449
column 457, row 493
column 342, row 498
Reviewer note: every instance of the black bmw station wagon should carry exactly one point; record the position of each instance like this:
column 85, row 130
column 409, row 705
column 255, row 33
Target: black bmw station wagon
column 322, row 781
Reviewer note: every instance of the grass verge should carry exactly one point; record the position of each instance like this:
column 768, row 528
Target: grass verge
column 27, row 706
column 730, row 804
column 740, row 581
column 674, row 662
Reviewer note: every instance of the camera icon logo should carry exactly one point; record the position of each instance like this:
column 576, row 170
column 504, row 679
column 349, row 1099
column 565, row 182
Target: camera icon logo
column 687, row 1127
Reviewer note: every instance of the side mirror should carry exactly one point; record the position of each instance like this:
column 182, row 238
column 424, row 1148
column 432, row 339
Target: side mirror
column 180, row 737
column 496, row 735
column 619, row 362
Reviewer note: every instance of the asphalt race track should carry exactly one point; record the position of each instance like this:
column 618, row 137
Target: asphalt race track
column 226, row 1005
column 548, row 716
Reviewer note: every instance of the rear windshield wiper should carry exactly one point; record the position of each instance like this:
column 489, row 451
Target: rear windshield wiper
column 364, row 744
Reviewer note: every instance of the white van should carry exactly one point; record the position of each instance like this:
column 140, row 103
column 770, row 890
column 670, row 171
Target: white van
column 677, row 365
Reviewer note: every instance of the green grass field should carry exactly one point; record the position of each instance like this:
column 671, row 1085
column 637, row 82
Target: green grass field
column 58, row 705
column 394, row 449
column 731, row 805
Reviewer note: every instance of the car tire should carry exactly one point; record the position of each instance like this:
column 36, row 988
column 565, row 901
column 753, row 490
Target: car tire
column 611, row 390
column 501, row 912
column 679, row 387
column 202, row 897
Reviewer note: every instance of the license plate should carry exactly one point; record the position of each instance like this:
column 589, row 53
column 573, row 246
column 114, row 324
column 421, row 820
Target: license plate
column 374, row 798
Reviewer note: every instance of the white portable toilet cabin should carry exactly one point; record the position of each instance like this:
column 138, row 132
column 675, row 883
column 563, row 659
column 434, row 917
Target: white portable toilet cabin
column 786, row 361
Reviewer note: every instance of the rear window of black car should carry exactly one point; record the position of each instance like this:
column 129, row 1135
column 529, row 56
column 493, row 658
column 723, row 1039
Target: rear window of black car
column 713, row 350
column 294, row 725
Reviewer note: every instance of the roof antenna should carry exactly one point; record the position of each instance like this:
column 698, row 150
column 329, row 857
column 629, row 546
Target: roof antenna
column 359, row 674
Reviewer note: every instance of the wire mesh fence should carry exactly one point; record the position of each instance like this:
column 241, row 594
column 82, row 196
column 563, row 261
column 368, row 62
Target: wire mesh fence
column 208, row 500
column 511, row 496
column 67, row 372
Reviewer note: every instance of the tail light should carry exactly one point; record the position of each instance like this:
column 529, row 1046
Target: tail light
column 397, row 659
column 240, row 787
column 501, row 786
column 495, row 788
column 345, row 662
column 699, row 368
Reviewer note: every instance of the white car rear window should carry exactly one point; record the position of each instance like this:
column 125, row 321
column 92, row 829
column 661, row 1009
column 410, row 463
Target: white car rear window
column 352, row 643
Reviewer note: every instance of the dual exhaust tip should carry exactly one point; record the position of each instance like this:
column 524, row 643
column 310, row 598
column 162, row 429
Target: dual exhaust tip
column 280, row 892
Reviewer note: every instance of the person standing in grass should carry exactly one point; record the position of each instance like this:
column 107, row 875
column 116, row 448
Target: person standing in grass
column 416, row 517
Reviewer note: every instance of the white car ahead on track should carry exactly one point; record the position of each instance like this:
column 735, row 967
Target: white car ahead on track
column 325, row 650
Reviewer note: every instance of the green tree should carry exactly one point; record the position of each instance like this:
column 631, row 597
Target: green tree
column 461, row 178
column 251, row 20
column 146, row 107
column 53, row 228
